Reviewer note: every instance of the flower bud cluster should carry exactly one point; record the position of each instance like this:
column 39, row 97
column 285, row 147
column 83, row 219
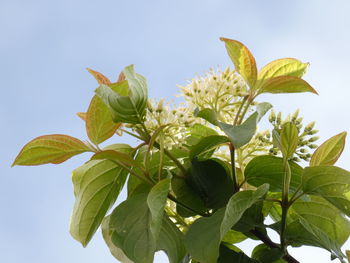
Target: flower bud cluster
column 306, row 135
column 221, row 91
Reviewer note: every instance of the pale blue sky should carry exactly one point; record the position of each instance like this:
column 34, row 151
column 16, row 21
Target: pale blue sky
column 46, row 45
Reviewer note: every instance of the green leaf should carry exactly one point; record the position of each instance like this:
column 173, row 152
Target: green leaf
column 232, row 237
column 286, row 84
column 269, row 169
column 329, row 151
column 330, row 182
column 204, row 236
column 317, row 223
column 186, row 195
column 252, row 218
column 211, row 182
column 136, row 223
column 55, row 148
column 228, row 255
column 282, row 67
column 243, row 60
column 289, row 139
column 265, row 254
column 116, row 156
column 197, row 132
column 97, row 185
column 207, row 114
column 107, row 236
column 205, row 146
column 127, row 100
column 171, row 241
column 99, row 123
column 242, row 134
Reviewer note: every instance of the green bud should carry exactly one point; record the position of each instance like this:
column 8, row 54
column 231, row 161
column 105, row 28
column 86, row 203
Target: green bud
column 313, row 146
column 295, row 159
column 272, row 117
column 312, row 132
column 279, row 118
column 295, row 115
column 298, row 121
column 313, row 139
column 310, row 126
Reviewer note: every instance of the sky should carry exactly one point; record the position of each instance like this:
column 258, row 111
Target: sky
column 46, row 45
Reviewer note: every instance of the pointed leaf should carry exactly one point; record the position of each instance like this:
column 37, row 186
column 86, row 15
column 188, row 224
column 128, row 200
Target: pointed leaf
column 116, row 156
column 127, row 100
column 136, row 223
column 282, row 67
column 100, row 78
column 207, row 114
column 99, row 123
column 204, row 236
column 55, row 148
column 207, row 144
column 242, row 134
column 242, row 59
column 269, row 169
column 97, row 185
column 82, row 115
column 289, row 139
column 329, row 151
column 286, row 84
column 330, row 182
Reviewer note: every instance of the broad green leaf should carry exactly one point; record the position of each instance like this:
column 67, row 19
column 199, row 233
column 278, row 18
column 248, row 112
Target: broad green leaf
column 197, row 132
column 282, row 67
column 97, row 185
column 207, row 114
column 243, row 60
column 55, row 148
column 232, row 237
column 317, row 223
column 265, row 254
column 330, row 182
column 107, row 236
column 289, row 139
column 252, row 218
column 211, row 182
column 171, row 241
column 136, row 223
column 269, row 169
column 187, row 196
column 329, row 151
column 204, row 236
column 205, row 146
column 99, row 123
column 286, row 84
column 228, row 255
column 242, row 134
column 127, row 100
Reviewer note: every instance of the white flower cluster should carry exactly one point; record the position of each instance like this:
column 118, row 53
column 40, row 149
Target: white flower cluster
column 221, row 91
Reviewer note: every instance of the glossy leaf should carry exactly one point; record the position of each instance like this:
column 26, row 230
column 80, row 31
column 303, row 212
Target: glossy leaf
column 207, row 144
column 282, row 67
column 55, row 148
column 204, row 236
column 99, row 123
column 286, row 84
column 136, row 223
column 289, row 139
column 243, row 60
column 127, row 100
column 265, row 254
column 97, row 185
column 316, row 222
column 329, row 151
column 269, row 169
column 211, row 182
column 330, row 182
column 242, row 134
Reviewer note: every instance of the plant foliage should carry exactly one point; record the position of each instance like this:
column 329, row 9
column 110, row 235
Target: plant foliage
column 203, row 177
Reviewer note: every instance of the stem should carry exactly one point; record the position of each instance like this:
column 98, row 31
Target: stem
column 285, row 202
column 249, row 100
column 268, row 242
column 239, row 110
column 233, row 165
column 145, row 178
column 172, row 198
column 131, row 134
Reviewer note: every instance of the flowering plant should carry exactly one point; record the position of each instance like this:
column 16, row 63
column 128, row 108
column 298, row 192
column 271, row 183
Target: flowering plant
column 202, row 177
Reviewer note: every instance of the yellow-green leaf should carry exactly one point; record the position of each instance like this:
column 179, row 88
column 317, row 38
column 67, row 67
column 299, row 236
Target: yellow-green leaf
column 243, row 60
column 329, row 152
column 289, row 139
column 55, row 148
column 82, row 115
column 286, row 84
column 118, row 157
column 348, row 255
column 99, row 123
column 282, row 67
